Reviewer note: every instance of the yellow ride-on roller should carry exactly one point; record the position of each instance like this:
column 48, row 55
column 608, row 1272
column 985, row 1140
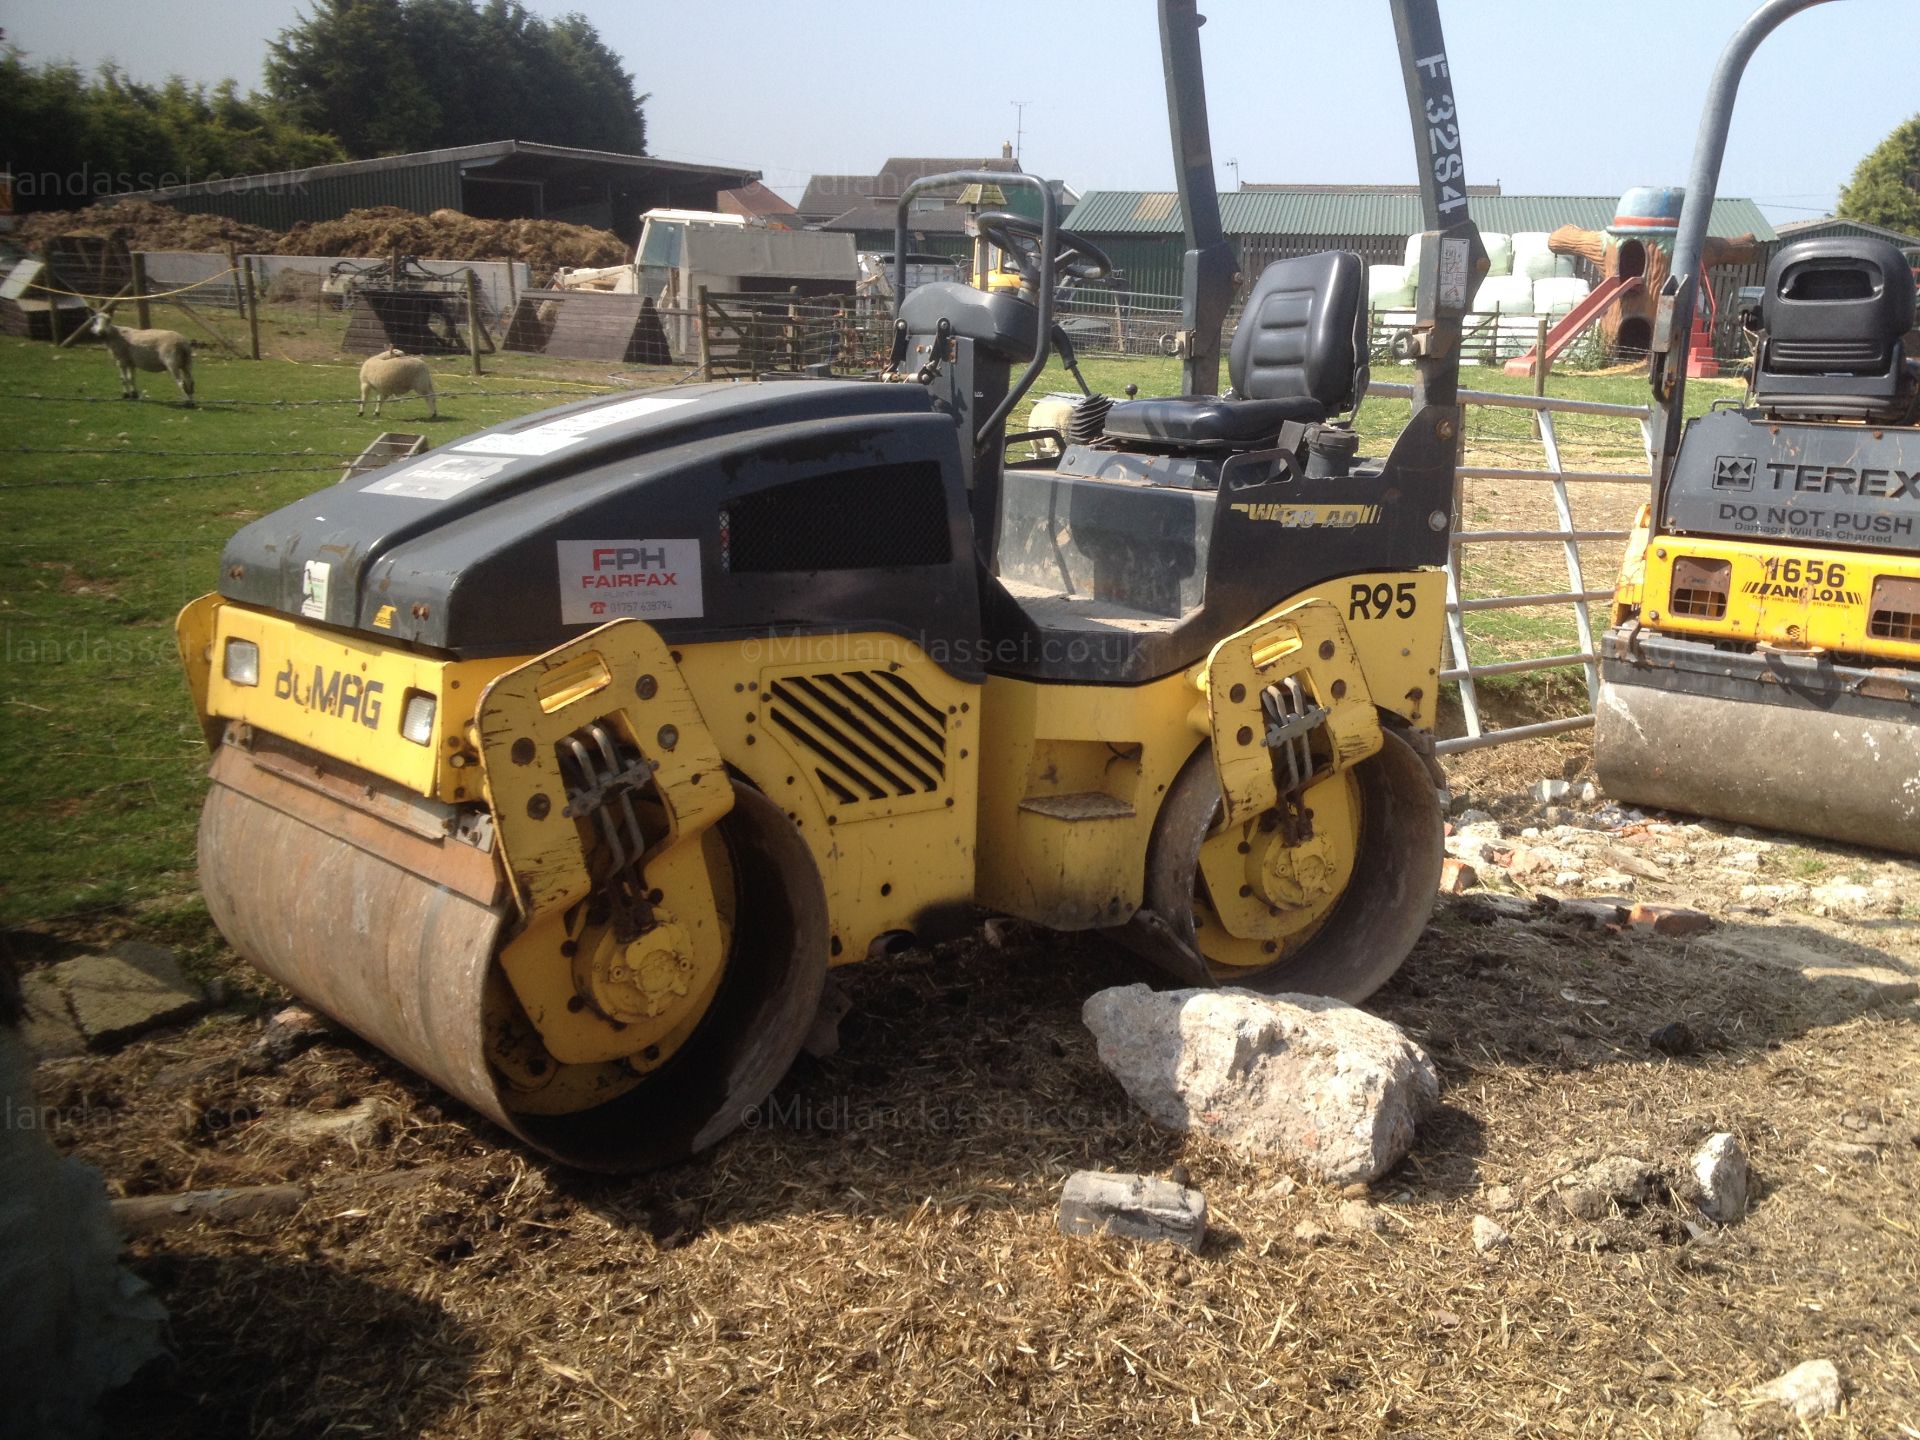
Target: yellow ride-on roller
column 1763, row 662
column 563, row 762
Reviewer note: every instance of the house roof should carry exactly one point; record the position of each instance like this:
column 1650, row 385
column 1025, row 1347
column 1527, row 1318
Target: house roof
column 515, row 155
column 754, row 200
column 947, row 220
column 834, row 194
column 1372, row 211
column 831, row 194
column 1840, row 225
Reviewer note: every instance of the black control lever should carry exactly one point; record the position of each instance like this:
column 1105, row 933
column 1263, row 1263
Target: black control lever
column 1069, row 362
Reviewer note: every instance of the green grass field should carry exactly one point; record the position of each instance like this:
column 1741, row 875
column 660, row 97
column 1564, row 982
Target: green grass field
column 112, row 516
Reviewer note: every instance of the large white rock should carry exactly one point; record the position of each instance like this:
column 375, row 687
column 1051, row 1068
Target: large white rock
column 1315, row 1081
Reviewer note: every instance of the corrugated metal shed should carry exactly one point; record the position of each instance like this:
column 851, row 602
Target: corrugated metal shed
column 1344, row 213
column 503, row 179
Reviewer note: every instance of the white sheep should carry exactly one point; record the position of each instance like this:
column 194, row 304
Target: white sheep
column 394, row 372
column 133, row 350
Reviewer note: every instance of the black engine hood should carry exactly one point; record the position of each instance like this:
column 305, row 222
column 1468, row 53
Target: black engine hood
column 513, row 539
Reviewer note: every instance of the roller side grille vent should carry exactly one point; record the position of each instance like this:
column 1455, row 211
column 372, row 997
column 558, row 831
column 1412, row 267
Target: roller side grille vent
column 1700, row 588
column 868, row 733
column 1895, row 610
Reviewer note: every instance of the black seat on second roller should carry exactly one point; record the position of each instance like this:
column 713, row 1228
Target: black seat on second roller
column 1832, row 317
column 1300, row 354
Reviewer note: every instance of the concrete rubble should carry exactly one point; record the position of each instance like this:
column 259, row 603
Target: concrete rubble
column 1315, row 1082
column 1807, row 1392
column 100, row 1002
column 1135, row 1207
column 1592, row 1191
column 1719, row 1169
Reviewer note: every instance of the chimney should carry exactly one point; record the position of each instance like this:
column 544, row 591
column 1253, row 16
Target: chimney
column 1006, row 149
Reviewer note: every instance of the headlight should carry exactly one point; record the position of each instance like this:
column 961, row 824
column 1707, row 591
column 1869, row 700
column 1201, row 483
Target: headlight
column 242, row 663
column 416, row 721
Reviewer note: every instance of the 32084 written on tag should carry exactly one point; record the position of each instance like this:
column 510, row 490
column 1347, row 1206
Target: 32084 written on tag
column 602, row 580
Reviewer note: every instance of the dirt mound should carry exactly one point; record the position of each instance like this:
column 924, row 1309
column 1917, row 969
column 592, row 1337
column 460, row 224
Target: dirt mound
column 444, row 235
column 143, row 225
column 450, row 235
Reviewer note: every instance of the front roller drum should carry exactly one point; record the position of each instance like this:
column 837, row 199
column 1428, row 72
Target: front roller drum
column 1345, row 945
column 1846, row 777
column 397, row 937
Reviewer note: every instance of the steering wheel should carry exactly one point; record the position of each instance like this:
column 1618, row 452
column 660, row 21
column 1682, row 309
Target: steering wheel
column 1019, row 238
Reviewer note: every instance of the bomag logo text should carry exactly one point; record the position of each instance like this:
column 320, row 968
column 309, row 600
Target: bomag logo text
column 338, row 693
column 1308, row 517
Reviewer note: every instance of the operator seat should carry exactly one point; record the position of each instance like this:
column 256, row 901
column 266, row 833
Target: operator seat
column 1300, row 354
column 1832, row 315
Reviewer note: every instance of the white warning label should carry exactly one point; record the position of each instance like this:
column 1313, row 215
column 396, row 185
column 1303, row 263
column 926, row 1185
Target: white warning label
column 1453, row 274
column 315, row 577
column 439, row 477
column 603, row 580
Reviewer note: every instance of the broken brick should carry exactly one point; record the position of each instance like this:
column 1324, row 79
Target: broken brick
column 1669, row 919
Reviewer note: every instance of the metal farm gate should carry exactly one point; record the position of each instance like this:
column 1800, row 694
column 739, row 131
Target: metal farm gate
column 1556, row 477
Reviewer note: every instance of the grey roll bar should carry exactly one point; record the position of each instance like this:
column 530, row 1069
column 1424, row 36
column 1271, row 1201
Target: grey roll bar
column 1673, row 320
column 1049, row 231
column 1210, row 270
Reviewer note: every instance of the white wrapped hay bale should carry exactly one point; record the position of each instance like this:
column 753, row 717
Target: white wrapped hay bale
column 1389, row 287
column 1533, row 259
column 1557, row 294
column 1509, row 294
column 1499, row 252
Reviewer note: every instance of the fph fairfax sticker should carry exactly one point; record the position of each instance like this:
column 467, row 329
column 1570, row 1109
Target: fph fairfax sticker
column 602, row 580
column 1733, row 472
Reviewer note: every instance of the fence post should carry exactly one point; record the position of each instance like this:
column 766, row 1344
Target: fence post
column 793, row 329
column 55, row 315
column 142, row 313
column 706, row 341
column 253, row 305
column 473, row 318
column 1540, row 364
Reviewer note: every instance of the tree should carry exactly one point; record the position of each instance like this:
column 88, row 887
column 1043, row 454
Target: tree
column 396, row 75
column 70, row 138
column 1885, row 189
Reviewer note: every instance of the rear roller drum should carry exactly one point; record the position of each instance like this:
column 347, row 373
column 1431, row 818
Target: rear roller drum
column 1333, row 914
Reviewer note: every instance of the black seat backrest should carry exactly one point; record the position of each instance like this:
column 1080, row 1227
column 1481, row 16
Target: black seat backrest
column 1832, row 315
column 1005, row 325
column 1836, row 306
column 1304, row 332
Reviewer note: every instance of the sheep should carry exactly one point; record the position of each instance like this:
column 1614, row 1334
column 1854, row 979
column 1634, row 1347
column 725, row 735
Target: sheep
column 133, row 350
column 394, row 372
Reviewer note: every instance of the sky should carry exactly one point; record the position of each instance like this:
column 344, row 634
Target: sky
column 1555, row 96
